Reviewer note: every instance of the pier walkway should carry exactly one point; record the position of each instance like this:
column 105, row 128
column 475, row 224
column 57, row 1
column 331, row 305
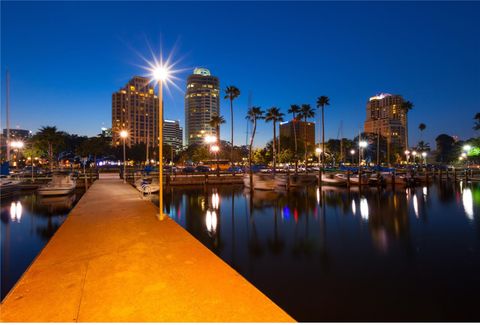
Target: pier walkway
column 113, row 261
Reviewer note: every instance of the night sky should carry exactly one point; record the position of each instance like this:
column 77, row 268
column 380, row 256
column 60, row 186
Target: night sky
column 66, row 59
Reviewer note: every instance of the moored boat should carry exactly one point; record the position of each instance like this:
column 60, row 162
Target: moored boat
column 147, row 185
column 61, row 184
column 264, row 182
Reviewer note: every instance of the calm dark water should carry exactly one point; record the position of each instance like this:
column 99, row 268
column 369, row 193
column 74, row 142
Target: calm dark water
column 28, row 221
column 337, row 255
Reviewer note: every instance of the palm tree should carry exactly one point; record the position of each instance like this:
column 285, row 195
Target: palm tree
column 49, row 138
column 477, row 122
column 254, row 113
column 306, row 112
column 231, row 92
column 422, row 127
column 274, row 115
column 295, row 110
column 406, row 106
column 322, row 101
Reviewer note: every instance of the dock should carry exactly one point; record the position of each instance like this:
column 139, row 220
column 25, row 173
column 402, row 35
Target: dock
column 113, row 260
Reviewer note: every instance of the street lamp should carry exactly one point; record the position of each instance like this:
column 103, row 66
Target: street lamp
column 209, row 139
column 215, row 149
column 467, row 148
column 414, row 153
column 424, row 155
column 362, row 145
column 352, row 152
column 407, row 154
column 161, row 74
column 124, row 135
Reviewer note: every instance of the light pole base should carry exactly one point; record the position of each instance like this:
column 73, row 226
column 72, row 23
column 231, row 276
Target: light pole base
column 162, row 216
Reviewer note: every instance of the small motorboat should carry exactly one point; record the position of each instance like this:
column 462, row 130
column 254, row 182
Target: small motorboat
column 294, row 180
column 147, row 185
column 354, row 179
column 331, row 180
column 61, row 184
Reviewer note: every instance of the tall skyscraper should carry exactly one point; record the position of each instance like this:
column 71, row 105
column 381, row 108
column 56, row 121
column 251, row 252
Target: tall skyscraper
column 202, row 102
column 135, row 108
column 386, row 116
column 288, row 131
column 173, row 134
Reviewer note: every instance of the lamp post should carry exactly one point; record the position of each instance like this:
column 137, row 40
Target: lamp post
column 319, row 153
column 124, row 135
column 215, row 149
column 160, row 74
column 362, row 145
column 414, row 154
column 352, row 152
column 407, row 155
column 424, row 155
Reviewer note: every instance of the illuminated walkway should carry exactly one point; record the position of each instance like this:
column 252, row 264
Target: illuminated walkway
column 113, row 261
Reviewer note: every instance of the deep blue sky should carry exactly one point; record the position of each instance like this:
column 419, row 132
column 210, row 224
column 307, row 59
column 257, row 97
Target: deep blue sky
column 66, row 59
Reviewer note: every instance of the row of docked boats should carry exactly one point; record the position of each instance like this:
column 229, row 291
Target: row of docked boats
column 281, row 181
column 61, row 184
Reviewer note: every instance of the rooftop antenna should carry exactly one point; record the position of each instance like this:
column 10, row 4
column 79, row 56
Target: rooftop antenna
column 8, row 114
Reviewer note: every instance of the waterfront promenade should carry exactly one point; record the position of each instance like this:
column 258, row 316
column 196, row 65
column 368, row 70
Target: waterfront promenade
column 114, row 261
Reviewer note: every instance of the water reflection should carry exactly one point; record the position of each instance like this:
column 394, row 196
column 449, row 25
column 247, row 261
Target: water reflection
column 28, row 221
column 310, row 244
column 364, row 208
column 467, row 200
column 16, row 211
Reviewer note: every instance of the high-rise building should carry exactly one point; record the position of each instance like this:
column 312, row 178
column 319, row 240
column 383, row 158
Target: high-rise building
column 135, row 109
column 202, row 102
column 287, row 130
column 386, row 116
column 173, row 134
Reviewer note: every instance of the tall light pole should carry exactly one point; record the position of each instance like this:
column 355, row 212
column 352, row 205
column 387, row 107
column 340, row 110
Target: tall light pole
column 414, row 154
column 160, row 74
column 352, row 152
column 124, row 135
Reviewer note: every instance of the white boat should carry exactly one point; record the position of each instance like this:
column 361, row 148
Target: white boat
column 61, row 184
column 8, row 186
column 147, row 185
column 294, row 180
column 331, row 180
column 354, row 179
column 264, row 182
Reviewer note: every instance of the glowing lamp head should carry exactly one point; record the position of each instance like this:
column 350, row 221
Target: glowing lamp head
column 352, row 152
column 123, row 134
column 215, row 148
column 407, row 152
column 318, row 150
column 363, row 144
column 467, row 147
column 210, row 139
column 414, row 153
column 424, row 154
column 464, row 155
column 160, row 73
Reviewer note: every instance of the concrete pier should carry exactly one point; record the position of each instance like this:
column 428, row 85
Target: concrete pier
column 114, row 261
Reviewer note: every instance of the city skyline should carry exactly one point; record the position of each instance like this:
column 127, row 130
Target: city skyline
column 350, row 53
